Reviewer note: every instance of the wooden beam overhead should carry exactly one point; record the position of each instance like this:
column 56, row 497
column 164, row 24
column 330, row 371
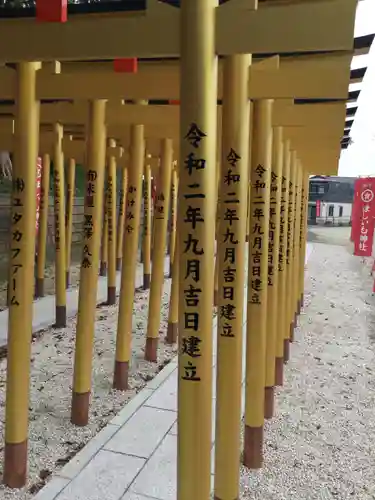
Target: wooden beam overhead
column 286, row 28
column 303, row 78
column 275, row 28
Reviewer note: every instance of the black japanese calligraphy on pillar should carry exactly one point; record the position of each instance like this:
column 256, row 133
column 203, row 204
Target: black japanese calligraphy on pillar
column 130, row 205
column 191, row 341
column 281, row 263
column 121, row 202
column 288, row 252
column 109, row 200
column 173, row 206
column 160, row 206
column 68, row 208
column 230, row 202
column 146, row 206
column 303, row 217
column 88, row 221
column 57, row 193
column 272, row 229
column 18, row 188
column 257, row 236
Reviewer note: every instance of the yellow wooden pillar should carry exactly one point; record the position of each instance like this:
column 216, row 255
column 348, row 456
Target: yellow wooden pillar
column 173, row 220
column 217, row 226
column 248, row 215
column 147, row 201
column 129, row 261
column 281, row 293
column 257, row 283
column 121, row 217
column 95, row 172
column 104, row 234
column 303, row 236
column 21, row 277
column 142, row 102
column 158, row 254
column 289, row 324
column 231, row 238
column 69, row 215
column 296, row 252
column 172, row 328
column 196, row 246
column 43, row 227
column 273, row 272
column 59, row 209
column 111, row 218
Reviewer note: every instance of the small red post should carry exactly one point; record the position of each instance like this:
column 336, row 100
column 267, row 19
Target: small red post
column 52, row 11
column 129, row 65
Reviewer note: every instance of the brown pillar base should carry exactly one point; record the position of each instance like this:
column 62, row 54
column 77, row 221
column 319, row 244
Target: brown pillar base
column 60, row 317
column 103, row 269
column 118, row 264
column 269, row 402
column 121, row 376
column 67, row 279
column 80, row 408
column 111, row 296
column 286, row 350
column 170, row 270
column 279, row 372
column 151, row 351
column 302, row 301
column 218, row 498
column 146, row 281
column 291, row 331
column 253, row 447
column 216, row 297
column 298, row 307
column 172, row 333
column 15, row 465
column 39, row 287
column 247, row 238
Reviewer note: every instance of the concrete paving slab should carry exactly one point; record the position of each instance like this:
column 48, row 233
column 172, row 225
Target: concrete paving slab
column 165, row 397
column 143, row 432
column 107, row 477
column 158, row 478
column 77, row 463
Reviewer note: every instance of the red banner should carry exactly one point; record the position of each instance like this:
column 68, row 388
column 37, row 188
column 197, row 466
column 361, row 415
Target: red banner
column 363, row 217
column 38, row 189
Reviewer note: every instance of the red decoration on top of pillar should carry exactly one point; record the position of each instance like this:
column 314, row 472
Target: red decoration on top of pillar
column 128, row 65
column 52, row 11
column 175, row 103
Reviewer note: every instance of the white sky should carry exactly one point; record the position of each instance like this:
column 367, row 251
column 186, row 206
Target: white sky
column 359, row 158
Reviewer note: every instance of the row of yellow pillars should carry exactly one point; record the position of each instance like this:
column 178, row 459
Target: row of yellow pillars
column 23, row 242
column 112, row 232
column 273, row 218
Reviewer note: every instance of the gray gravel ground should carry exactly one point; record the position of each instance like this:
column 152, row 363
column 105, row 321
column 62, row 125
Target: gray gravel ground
column 53, row 440
column 321, row 443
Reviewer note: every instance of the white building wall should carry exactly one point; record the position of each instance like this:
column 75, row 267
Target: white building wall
column 346, row 212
